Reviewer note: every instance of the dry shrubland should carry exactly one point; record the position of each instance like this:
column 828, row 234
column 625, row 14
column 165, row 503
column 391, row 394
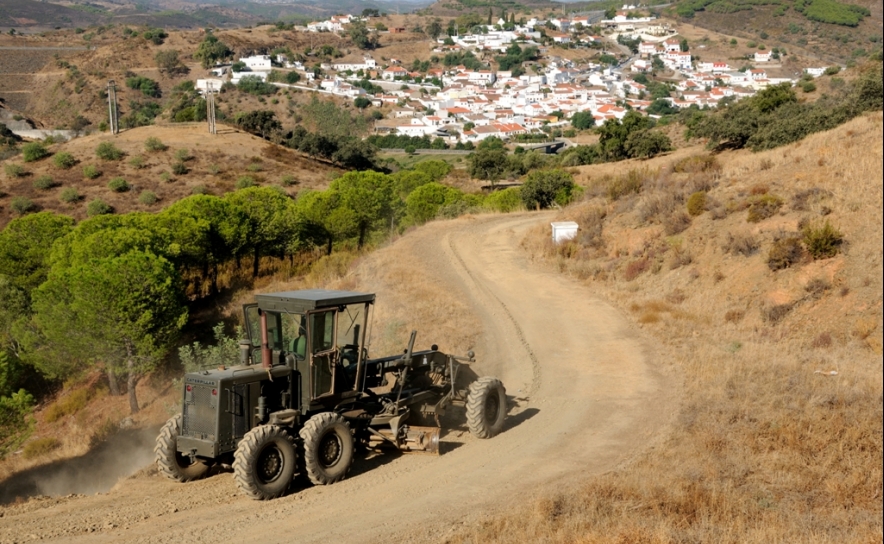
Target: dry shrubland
column 779, row 437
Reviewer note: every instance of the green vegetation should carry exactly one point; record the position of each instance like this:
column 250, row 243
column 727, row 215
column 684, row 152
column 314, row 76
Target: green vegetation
column 118, row 185
column 44, row 183
column 22, row 205
column 69, row 195
column 147, row 86
column 33, row 151
column 822, row 241
column 823, row 11
column 256, row 86
column 90, row 171
column 211, row 50
column 542, row 188
column 154, row 144
column 108, row 151
column 148, row 198
column 582, row 120
column 775, row 117
column 98, row 207
column 696, row 204
column 39, row 447
column 14, row 170
column 64, row 160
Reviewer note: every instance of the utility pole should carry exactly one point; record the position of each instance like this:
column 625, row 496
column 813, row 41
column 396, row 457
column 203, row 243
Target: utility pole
column 210, row 107
column 112, row 107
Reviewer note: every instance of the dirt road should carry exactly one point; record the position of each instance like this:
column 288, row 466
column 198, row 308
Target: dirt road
column 586, row 396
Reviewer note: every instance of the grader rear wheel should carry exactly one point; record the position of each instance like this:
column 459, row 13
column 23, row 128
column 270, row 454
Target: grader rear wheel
column 170, row 463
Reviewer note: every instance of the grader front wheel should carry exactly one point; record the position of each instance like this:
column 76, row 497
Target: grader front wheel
column 264, row 462
column 170, row 463
column 486, row 407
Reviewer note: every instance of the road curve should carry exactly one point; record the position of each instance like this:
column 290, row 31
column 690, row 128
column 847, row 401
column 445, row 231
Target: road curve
column 586, row 396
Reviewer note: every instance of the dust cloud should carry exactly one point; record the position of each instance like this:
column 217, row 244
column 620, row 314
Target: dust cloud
column 94, row 472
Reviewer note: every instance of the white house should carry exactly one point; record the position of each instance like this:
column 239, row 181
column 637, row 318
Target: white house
column 640, row 65
column 257, row 62
column 393, row 72
column 482, row 77
column 203, row 84
column 757, row 73
column 763, row 56
column 647, row 49
column 672, row 45
column 680, row 59
column 815, row 72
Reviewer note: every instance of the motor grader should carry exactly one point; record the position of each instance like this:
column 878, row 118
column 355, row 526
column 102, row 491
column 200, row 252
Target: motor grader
column 305, row 393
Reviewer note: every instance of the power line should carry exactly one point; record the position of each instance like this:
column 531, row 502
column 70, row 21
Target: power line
column 210, row 107
column 113, row 113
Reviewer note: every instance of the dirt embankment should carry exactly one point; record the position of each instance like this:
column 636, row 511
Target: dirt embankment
column 586, row 395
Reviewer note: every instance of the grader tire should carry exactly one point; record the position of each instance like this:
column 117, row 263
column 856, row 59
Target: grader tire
column 172, row 464
column 486, row 407
column 328, row 448
column 264, row 462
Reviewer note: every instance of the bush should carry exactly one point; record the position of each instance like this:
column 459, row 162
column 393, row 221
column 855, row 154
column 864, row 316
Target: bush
column 621, row 186
column 288, row 180
column 697, row 203
column 199, row 190
column 154, row 144
column 44, row 183
column 91, row 171
column 68, row 405
column 179, row 168
column 39, row 447
column 147, row 198
column 784, row 253
column 504, row 201
column 69, row 195
column 118, row 185
column 64, row 160
column 137, row 162
column 22, row 205
column 244, row 182
column 762, row 207
column 822, row 241
column 15, row 419
column 14, row 170
column 808, row 86
column 744, row 244
column 33, row 151
column 696, row 164
column 676, row 223
column 98, row 207
column 108, row 152
column 183, row 155
column 166, row 177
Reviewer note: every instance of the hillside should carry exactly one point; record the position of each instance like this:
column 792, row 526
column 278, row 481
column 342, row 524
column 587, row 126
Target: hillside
column 779, row 434
column 218, row 163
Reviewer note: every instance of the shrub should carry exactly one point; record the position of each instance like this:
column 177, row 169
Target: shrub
column 108, row 151
column 244, row 182
column 69, row 195
column 773, row 314
column 137, row 162
column 199, row 190
column 39, row 447
column 68, row 405
column 91, row 171
column 802, row 200
column 44, row 183
column 179, row 168
column 22, row 205
column 762, row 207
column 621, row 186
column 64, row 160
column 154, row 144
column 288, row 180
column 635, row 269
column 808, row 86
column 255, row 167
column 697, row 163
column 183, row 155
column 166, row 177
column 504, row 201
column 118, row 185
column 784, row 253
column 676, row 223
column 822, row 241
column 697, row 203
column 542, row 188
column 33, row 151
column 14, row 170
column 98, row 207
column 147, row 198
column 591, row 225
column 744, row 244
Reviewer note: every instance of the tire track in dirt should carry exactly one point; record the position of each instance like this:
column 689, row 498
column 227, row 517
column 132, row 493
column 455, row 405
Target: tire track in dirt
column 600, row 401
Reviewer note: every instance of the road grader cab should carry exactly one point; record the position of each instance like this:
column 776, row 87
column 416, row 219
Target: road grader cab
column 304, row 387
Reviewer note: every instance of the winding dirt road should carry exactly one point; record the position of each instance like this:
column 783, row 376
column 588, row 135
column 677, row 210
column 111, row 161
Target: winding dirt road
column 586, row 397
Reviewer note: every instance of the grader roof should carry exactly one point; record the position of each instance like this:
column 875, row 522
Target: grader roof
column 310, row 299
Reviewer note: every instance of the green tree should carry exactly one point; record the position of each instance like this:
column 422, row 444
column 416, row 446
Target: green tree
column 645, row 143
column 367, row 197
column 261, row 122
column 436, row 169
column 169, row 63
column 269, row 219
column 488, row 163
column 582, row 120
column 33, row 151
column 424, row 203
column 211, row 50
column 544, row 187
column 434, row 28
column 124, row 311
column 361, row 102
column 25, row 247
column 361, row 36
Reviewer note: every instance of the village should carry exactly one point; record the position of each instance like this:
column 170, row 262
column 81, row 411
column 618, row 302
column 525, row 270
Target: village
column 468, row 104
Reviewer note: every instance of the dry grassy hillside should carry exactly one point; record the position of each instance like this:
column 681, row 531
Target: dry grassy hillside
column 216, row 164
column 779, row 437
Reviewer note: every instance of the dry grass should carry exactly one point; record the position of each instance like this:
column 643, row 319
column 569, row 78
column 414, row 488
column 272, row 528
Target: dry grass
column 769, row 444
